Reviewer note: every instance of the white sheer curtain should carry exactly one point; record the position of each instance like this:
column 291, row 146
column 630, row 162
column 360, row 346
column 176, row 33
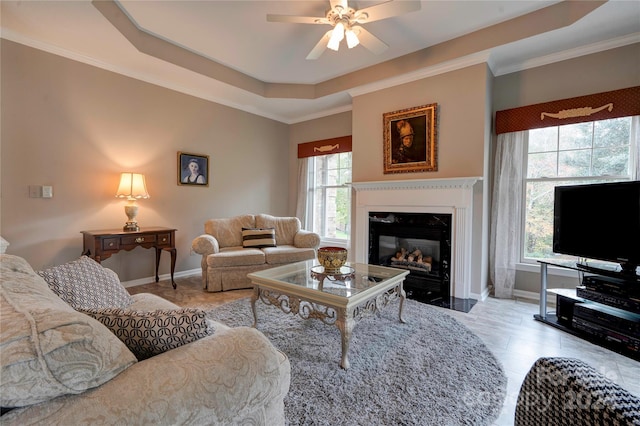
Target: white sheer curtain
column 506, row 212
column 635, row 149
column 303, row 191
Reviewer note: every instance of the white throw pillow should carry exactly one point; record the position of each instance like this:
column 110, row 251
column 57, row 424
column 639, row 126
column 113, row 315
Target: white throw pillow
column 85, row 284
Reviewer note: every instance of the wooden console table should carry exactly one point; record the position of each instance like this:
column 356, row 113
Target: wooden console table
column 101, row 244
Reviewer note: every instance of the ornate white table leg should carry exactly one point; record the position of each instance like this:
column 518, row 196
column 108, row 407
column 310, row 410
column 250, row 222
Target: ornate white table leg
column 345, row 323
column 403, row 296
column 254, row 298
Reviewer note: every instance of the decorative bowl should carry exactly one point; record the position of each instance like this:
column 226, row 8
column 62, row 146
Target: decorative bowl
column 332, row 258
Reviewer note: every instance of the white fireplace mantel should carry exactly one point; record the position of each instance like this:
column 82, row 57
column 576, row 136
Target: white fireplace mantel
column 464, row 183
column 449, row 196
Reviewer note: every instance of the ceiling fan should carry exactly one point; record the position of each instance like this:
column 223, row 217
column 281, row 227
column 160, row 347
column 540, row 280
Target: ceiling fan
column 346, row 22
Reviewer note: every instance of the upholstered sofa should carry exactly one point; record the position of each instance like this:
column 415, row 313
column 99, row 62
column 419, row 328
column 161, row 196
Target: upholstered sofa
column 233, row 247
column 567, row 391
column 63, row 367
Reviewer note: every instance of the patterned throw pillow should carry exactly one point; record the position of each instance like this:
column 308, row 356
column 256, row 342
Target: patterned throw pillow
column 258, row 237
column 85, row 284
column 150, row 333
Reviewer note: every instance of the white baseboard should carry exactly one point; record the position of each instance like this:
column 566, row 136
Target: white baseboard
column 149, row 280
column 533, row 296
column 482, row 296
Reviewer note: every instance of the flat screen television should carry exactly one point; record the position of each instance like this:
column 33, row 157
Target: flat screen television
column 599, row 221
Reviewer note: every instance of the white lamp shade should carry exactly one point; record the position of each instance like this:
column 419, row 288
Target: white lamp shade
column 352, row 39
column 338, row 31
column 334, row 44
column 132, row 186
column 336, row 37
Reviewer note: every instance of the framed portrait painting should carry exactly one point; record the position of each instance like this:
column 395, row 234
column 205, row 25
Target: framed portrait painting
column 193, row 169
column 410, row 140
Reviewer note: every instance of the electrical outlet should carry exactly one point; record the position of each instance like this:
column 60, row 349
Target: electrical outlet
column 47, row 191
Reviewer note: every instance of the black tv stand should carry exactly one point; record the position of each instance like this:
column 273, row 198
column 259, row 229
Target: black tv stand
column 628, row 275
column 608, row 318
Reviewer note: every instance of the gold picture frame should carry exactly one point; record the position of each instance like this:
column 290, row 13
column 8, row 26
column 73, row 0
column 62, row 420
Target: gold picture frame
column 191, row 175
column 410, row 140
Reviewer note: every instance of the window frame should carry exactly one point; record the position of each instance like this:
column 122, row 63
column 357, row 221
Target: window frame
column 527, row 262
column 312, row 188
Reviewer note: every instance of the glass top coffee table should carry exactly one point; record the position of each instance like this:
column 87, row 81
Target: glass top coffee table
column 339, row 299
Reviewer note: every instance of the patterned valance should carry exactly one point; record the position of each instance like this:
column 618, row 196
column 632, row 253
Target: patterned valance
column 599, row 106
column 324, row 147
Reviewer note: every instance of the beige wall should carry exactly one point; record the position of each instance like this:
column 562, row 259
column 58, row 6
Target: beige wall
column 461, row 98
column 76, row 127
column 600, row 72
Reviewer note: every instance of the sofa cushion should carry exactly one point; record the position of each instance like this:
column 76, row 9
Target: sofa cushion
column 46, row 348
column 287, row 254
column 228, row 231
column 151, row 333
column 258, row 237
column 85, row 284
column 236, row 256
column 150, row 302
column 286, row 227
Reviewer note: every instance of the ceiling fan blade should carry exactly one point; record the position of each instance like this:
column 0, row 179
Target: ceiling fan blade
column 369, row 41
column 320, row 47
column 387, row 10
column 297, row 19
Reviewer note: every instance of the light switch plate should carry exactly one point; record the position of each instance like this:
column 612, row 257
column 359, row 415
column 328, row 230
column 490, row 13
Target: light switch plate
column 47, row 191
column 35, row 191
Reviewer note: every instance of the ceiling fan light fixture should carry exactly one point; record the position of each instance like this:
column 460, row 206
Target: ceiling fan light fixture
column 352, row 39
column 336, row 37
column 345, row 22
column 338, row 31
column 334, row 44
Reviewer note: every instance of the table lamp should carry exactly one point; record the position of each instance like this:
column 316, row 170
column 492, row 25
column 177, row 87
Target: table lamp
column 132, row 187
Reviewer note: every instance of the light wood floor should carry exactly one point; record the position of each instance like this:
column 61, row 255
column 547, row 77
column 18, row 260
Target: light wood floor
column 507, row 327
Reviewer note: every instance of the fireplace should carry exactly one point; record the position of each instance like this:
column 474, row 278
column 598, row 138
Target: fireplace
column 419, row 243
column 459, row 199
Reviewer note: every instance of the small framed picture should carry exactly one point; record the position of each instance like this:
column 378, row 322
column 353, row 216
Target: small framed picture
column 410, row 140
column 193, row 169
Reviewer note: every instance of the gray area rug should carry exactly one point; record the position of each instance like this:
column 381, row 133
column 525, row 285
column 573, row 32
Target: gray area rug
column 430, row 371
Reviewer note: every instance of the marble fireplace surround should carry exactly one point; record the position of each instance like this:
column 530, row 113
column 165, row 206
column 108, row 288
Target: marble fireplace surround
column 447, row 196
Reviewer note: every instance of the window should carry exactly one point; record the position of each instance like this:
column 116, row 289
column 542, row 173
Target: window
column 589, row 152
column 329, row 200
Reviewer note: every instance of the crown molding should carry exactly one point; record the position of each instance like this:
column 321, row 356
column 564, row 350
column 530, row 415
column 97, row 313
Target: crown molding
column 321, row 114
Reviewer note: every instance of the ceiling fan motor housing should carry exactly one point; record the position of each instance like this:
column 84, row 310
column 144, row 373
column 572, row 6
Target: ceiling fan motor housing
column 350, row 15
